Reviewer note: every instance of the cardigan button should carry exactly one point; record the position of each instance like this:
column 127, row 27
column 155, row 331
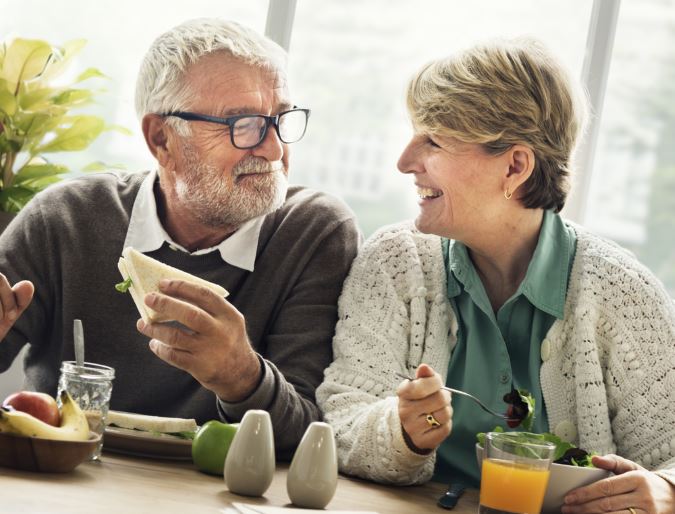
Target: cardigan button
column 545, row 350
column 566, row 431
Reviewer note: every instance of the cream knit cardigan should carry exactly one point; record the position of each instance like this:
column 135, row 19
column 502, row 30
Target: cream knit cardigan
column 607, row 373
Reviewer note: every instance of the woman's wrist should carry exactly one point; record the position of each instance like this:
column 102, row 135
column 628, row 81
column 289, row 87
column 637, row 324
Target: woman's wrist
column 411, row 445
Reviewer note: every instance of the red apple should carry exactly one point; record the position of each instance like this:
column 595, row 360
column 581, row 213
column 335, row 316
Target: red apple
column 39, row 405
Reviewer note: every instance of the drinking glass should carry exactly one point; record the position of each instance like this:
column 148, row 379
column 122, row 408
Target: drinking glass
column 514, row 473
column 90, row 385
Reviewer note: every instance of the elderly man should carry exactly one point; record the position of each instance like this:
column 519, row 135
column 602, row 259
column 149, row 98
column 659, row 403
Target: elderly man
column 218, row 118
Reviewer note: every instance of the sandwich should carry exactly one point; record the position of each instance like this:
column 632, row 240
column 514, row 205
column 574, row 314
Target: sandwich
column 141, row 276
column 154, row 425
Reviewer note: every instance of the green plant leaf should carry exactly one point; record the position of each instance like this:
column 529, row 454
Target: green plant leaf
column 35, row 116
column 32, row 172
column 25, row 59
column 62, row 57
column 77, row 136
column 10, row 145
column 90, row 73
column 7, row 101
column 102, row 166
column 39, row 184
column 72, row 97
column 4, row 145
column 31, row 128
column 35, row 99
column 14, row 198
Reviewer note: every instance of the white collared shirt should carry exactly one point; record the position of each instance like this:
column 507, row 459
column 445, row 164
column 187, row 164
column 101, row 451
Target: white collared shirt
column 146, row 233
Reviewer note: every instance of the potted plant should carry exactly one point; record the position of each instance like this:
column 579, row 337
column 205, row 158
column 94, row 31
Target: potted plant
column 36, row 118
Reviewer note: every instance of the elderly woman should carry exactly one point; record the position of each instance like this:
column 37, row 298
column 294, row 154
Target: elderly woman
column 492, row 290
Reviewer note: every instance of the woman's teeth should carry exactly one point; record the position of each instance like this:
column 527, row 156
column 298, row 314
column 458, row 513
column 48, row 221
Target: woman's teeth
column 426, row 192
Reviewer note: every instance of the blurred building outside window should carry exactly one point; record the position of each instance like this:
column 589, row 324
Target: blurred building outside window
column 632, row 193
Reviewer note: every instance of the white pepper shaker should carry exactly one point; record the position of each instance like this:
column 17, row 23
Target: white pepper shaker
column 250, row 462
column 312, row 477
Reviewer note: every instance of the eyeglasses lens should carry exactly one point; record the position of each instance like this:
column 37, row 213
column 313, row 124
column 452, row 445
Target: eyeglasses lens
column 292, row 126
column 248, row 131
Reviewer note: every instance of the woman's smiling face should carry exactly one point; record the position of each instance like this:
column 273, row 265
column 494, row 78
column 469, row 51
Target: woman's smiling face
column 459, row 185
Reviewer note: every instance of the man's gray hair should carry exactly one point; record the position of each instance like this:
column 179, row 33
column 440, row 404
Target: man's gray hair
column 160, row 87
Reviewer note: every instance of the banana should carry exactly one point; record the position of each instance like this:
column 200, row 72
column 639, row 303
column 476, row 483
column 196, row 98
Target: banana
column 74, row 426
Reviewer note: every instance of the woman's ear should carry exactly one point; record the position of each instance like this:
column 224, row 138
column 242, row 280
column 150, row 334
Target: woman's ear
column 156, row 133
column 521, row 164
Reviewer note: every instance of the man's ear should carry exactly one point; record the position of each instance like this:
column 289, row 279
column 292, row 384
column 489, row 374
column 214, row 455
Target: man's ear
column 156, row 133
column 521, row 163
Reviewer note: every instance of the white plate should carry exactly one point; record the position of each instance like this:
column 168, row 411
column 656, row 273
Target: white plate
column 144, row 444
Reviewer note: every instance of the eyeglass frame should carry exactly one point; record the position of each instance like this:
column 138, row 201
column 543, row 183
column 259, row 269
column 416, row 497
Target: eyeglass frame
column 231, row 120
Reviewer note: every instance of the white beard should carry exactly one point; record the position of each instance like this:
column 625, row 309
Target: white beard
column 258, row 188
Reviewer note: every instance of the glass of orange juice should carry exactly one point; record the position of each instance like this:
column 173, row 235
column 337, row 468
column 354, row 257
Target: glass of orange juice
column 514, row 473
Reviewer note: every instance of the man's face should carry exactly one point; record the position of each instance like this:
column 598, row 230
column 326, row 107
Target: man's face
column 223, row 186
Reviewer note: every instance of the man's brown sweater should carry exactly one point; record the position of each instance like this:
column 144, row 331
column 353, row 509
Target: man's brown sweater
column 68, row 240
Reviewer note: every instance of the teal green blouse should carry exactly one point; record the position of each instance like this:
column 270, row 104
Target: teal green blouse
column 498, row 351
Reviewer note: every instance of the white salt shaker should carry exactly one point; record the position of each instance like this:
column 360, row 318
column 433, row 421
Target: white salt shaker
column 312, row 477
column 250, row 462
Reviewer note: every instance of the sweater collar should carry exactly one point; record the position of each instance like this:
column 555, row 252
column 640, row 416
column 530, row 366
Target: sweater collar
column 146, row 233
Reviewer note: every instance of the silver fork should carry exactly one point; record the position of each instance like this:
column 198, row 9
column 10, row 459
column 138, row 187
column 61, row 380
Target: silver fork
column 463, row 393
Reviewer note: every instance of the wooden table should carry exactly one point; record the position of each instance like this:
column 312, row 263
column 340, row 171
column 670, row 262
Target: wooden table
column 123, row 484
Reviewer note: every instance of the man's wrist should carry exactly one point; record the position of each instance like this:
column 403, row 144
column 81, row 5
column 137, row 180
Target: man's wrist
column 245, row 383
column 261, row 398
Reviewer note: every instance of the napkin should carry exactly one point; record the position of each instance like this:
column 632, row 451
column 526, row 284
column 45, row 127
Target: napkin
column 245, row 508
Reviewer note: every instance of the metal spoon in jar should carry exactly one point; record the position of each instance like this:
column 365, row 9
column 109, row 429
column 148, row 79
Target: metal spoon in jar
column 78, row 338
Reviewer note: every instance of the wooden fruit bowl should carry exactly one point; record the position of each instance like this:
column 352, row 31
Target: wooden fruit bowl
column 45, row 455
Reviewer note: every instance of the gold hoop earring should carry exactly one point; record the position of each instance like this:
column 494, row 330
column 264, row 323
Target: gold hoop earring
column 507, row 195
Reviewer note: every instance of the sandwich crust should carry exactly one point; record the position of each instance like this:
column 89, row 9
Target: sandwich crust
column 145, row 274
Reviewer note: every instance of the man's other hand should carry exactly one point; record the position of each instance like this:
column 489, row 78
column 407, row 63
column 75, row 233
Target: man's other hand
column 13, row 301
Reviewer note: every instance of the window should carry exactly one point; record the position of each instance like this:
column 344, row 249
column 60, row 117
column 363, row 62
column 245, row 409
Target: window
column 350, row 63
column 632, row 194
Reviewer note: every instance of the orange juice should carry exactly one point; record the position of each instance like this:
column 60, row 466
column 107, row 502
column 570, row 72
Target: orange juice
column 508, row 486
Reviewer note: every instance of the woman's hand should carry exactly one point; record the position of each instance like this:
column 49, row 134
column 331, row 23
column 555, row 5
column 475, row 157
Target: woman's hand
column 633, row 490
column 424, row 410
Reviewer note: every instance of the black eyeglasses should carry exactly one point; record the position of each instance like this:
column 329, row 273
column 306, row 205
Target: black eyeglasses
column 249, row 130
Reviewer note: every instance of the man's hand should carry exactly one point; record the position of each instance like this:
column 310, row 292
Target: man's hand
column 217, row 353
column 632, row 487
column 13, row 301
column 419, row 399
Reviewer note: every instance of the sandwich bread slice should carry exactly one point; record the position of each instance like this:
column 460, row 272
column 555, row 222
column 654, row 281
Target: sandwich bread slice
column 142, row 275
column 177, row 427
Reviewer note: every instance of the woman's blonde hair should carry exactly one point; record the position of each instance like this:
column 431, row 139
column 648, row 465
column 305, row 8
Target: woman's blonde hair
column 502, row 93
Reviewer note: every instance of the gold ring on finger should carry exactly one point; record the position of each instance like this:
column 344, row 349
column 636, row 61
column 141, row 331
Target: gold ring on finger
column 632, row 510
column 432, row 421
